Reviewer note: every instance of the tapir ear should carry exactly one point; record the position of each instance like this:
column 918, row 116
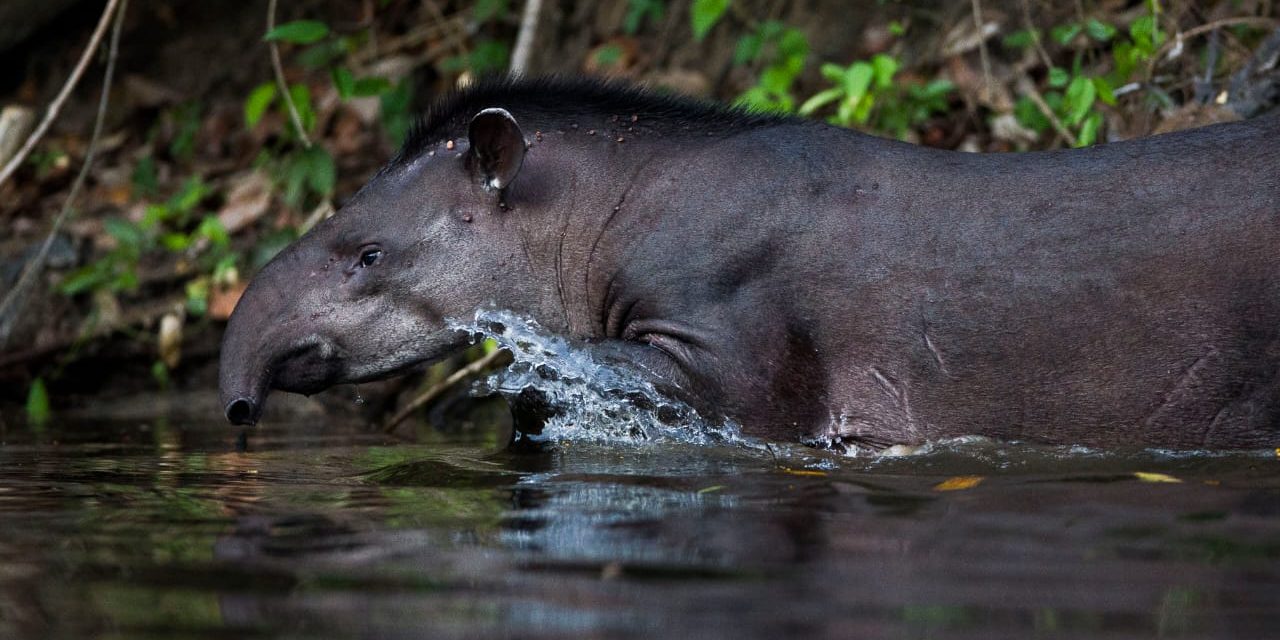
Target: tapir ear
column 497, row 147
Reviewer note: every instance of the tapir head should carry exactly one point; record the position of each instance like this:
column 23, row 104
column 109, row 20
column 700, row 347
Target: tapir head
column 369, row 292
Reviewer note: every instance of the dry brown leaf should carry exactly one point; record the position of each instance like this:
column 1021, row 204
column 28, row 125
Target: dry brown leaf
column 222, row 300
column 250, row 197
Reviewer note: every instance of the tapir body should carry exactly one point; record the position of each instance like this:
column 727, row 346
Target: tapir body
column 805, row 281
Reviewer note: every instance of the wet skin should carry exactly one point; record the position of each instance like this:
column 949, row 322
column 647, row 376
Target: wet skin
column 805, row 281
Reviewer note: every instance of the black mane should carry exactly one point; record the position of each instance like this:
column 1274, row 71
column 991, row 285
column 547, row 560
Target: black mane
column 558, row 101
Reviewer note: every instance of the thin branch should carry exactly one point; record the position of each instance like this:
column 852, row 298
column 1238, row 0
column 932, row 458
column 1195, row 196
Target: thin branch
column 524, row 41
column 11, row 305
column 1030, row 26
column 1028, row 88
column 475, row 368
column 982, row 50
column 56, row 106
column 280, row 81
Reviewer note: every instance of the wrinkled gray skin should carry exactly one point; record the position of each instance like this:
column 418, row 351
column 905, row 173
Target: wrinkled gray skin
column 814, row 283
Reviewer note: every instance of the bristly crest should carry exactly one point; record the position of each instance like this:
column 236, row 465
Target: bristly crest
column 553, row 101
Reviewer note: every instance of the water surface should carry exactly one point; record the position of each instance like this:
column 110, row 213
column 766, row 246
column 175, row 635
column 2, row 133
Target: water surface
column 155, row 529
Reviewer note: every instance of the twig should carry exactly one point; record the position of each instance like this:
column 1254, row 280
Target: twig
column 56, row 106
column 1212, row 26
column 436, row 390
column 1028, row 88
column 982, row 50
column 524, row 40
column 280, row 81
column 11, row 305
column 1035, row 35
column 414, row 37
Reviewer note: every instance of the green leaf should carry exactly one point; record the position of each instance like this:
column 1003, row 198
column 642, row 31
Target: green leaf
column 302, row 102
column 298, row 32
column 1063, row 34
column 885, row 67
column 160, row 373
column 343, row 81
column 126, row 233
column 211, row 228
column 1089, row 130
column 1105, row 93
column 395, row 111
column 820, row 100
column 1058, row 77
column 1020, row 39
column 637, row 11
column 90, row 276
column 193, row 191
column 175, row 242
column 705, row 14
column 371, row 86
column 485, row 10
column 198, row 296
column 896, row 28
column 748, row 49
column 320, row 171
column 1080, row 97
column 1099, row 30
column 257, row 103
column 1146, row 35
column 857, row 79
column 38, row 411
column 1029, row 115
column 144, row 177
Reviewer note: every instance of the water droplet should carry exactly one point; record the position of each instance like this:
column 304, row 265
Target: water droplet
column 359, row 398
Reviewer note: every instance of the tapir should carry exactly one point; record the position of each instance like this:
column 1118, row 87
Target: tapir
column 804, row 281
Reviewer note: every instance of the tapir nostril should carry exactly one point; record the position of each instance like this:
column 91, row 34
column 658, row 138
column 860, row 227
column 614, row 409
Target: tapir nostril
column 240, row 411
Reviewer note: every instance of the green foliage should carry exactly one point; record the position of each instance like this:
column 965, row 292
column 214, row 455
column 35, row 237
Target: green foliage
column 865, row 94
column 259, row 100
column 397, row 104
column 638, row 11
column 487, row 56
column 705, row 14
column 37, row 406
column 298, row 32
column 175, row 227
column 307, row 169
column 486, row 10
column 1075, row 96
column 785, row 51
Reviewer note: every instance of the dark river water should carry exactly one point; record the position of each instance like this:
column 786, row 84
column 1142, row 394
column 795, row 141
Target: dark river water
column 154, row 529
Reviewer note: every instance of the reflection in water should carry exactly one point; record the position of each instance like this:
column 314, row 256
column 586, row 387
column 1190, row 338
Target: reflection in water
column 324, row 534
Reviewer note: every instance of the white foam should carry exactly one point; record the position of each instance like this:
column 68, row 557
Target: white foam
column 595, row 401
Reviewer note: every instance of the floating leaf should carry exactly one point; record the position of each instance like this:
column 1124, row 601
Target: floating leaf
column 958, row 483
column 804, row 472
column 711, row 489
column 1150, row 476
column 298, row 32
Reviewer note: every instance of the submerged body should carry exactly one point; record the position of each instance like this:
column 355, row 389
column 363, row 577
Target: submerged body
column 805, row 281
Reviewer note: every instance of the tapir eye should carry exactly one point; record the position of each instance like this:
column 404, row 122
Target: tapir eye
column 370, row 256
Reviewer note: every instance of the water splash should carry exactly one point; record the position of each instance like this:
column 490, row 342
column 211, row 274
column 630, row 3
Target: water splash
column 592, row 400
